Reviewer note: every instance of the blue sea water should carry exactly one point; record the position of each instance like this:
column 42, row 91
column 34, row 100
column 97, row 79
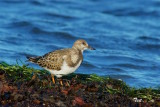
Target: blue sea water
column 125, row 33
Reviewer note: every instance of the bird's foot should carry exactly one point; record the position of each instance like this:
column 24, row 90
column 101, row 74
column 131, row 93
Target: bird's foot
column 60, row 81
column 67, row 82
column 53, row 80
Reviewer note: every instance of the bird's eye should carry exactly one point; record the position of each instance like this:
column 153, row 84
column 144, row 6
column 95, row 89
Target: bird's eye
column 83, row 43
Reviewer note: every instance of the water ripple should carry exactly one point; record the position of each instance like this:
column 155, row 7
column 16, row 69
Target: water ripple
column 56, row 15
column 21, row 24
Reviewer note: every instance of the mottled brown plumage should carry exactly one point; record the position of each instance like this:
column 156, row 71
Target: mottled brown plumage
column 54, row 60
column 64, row 61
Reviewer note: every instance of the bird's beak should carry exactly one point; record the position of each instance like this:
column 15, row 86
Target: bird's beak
column 89, row 47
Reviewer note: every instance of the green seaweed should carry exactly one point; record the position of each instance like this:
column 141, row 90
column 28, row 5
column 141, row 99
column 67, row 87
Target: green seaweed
column 117, row 86
column 113, row 86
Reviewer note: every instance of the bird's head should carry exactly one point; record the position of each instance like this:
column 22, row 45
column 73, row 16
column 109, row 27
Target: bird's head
column 82, row 45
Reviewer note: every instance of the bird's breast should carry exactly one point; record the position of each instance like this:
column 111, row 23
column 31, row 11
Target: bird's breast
column 70, row 69
column 65, row 69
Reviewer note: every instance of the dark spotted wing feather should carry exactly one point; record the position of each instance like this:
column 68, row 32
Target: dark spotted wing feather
column 52, row 60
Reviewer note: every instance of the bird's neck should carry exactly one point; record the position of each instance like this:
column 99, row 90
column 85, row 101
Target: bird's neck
column 81, row 51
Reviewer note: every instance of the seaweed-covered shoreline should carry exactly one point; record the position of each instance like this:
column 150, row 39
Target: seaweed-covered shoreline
column 24, row 86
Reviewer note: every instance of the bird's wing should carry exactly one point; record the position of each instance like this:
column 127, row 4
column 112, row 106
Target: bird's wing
column 53, row 60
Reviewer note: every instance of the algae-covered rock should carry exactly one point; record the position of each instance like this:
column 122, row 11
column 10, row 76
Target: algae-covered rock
column 24, row 86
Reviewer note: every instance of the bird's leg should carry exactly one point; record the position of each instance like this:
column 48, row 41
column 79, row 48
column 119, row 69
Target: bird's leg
column 67, row 83
column 53, row 80
column 61, row 82
column 76, row 76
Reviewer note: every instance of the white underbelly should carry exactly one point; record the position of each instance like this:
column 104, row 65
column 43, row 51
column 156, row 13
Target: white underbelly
column 65, row 69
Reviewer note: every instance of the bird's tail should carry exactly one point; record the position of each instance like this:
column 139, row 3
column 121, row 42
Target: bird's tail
column 33, row 59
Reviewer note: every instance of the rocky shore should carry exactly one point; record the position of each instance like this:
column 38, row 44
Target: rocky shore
column 28, row 87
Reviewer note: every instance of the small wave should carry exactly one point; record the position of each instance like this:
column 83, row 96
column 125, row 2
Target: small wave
column 126, row 58
column 12, row 1
column 130, row 66
column 58, row 34
column 36, row 30
column 56, row 15
column 128, row 12
column 140, row 67
column 88, row 65
column 65, row 35
column 149, row 47
column 120, row 76
column 115, row 69
column 21, row 24
column 37, row 3
column 147, row 38
column 11, row 40
column 5, row 51
column 52, row 46
column 156, row 3
column 146, row 43
column 26, row 54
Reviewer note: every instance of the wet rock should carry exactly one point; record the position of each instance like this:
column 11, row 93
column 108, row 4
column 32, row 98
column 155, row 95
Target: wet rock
column 60, row 104
column 7, row 95
column 36, row 101
column 18, row 97
column 48, row 99
column 38, row 92
column 78, row 101
column 35, row 96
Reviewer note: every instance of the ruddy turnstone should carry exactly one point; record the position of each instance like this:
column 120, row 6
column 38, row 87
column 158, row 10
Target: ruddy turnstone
column 64, row 61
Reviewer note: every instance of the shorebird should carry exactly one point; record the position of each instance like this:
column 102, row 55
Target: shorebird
column 64, row 61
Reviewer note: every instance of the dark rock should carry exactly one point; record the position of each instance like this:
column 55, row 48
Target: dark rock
column 60, row 104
